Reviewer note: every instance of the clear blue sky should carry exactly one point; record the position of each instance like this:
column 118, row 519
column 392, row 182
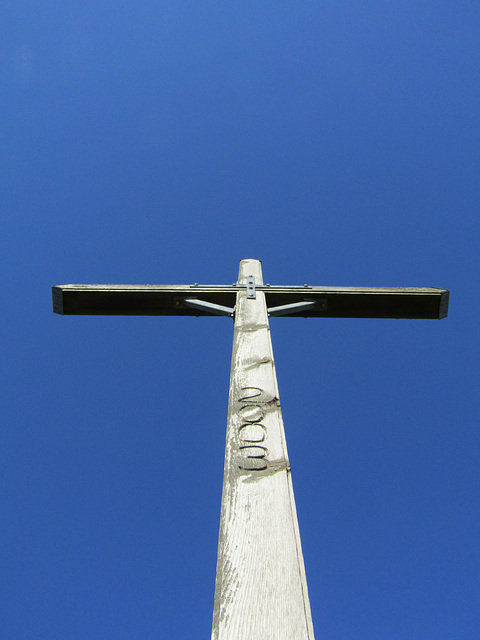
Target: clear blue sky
column 160, row 143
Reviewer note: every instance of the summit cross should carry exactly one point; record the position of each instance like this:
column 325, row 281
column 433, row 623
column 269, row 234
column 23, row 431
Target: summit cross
column 261, row 588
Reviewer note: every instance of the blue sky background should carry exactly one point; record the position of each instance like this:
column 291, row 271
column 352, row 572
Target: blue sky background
column 160, row 143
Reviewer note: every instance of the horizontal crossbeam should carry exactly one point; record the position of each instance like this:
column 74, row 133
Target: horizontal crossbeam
column 330, row 302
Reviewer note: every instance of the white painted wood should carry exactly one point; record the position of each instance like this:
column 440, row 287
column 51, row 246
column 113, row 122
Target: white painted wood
column 261, row 589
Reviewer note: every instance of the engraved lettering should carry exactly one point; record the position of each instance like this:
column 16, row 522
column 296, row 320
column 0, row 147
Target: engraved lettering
column 254, row 460
column 250, row 393
column 254, row 395
column 251, row 414
column 252, row 433
column 252, row 456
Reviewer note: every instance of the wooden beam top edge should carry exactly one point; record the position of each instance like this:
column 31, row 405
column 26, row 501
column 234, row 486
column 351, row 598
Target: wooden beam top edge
column 191, row 289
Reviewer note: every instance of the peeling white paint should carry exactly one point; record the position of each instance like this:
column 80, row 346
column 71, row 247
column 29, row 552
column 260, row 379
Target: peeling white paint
column 261, row 589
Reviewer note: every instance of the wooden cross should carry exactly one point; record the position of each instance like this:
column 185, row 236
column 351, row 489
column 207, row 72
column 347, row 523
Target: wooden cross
column 261, row 589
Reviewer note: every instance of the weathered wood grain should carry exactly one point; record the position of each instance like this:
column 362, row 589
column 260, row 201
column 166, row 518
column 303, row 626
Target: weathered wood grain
column 261, row 589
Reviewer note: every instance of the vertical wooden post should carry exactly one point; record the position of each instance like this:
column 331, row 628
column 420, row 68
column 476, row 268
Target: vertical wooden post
column 261, row 589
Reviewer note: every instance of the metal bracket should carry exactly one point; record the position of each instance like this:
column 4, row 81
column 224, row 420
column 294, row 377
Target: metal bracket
column 251, row 287
column 295, row 307
column 211, row 307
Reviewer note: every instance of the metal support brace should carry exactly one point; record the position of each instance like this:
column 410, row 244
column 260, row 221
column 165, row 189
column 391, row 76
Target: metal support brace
column 287, row 309
column 215, row 309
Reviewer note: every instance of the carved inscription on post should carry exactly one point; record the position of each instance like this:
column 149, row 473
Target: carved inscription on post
column 251, row 432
